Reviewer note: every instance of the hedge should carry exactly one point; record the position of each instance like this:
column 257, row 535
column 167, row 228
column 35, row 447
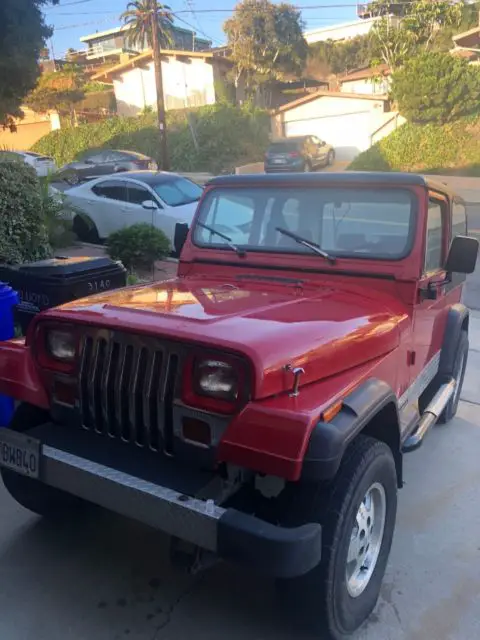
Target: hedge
column 226, row 136
column 23, row 233
column 431, row 148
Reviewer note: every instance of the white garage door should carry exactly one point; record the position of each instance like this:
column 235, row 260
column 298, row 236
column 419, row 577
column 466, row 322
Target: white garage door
column 349, row 133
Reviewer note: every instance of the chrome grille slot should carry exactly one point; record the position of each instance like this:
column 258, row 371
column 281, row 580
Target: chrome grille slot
column 127, row 389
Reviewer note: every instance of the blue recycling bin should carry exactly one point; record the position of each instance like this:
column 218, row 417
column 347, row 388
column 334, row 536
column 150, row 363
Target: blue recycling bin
column 8, row 300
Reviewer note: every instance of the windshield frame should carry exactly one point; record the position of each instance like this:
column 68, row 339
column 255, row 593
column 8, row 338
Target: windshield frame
column 171, row 181
column 286, row 251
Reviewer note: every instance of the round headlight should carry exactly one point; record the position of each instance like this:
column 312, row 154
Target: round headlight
column 61, row 345
column 217, row 379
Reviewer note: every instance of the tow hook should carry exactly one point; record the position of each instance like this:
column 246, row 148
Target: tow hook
column 191, row 558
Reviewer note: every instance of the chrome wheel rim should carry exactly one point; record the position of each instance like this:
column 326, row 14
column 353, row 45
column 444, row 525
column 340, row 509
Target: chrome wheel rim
column 366, row 540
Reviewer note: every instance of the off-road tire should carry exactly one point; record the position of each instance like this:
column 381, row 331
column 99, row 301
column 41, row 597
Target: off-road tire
column 85, row 232
column 459, row 367
column 320, row 601
column 33, row 495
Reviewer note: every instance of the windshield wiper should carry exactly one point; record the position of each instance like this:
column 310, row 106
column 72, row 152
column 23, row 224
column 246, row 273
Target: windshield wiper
column 241, row 252
column 306, row 243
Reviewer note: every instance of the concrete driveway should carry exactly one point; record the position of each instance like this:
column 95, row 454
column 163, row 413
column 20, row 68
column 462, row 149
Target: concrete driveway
column 107, row 578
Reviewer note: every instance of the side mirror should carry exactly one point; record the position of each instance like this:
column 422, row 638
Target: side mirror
column 462, row 256
column 149, row 204
column 180, row 236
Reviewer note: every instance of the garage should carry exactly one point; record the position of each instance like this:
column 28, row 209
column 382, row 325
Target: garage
column 347, row 121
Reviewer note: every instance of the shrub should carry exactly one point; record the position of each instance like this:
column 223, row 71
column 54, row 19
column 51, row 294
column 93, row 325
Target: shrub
column 138, row 246
column 436, row 88
column 23, row 234
column 226, row 136
column 431, row 148
column 59, row 229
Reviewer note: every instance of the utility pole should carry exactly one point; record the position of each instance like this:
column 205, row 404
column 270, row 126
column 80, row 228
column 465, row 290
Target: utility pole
column 157, row 63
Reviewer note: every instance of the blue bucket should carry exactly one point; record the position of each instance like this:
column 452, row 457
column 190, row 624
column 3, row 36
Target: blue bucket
column 8, row 300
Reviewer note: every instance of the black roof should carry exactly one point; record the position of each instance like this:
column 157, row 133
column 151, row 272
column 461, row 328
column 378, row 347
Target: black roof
column 344, row 177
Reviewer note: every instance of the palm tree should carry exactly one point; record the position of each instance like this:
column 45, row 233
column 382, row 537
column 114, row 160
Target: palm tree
column 151, row 22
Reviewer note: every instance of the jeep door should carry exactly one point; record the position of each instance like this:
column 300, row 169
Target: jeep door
column 433, row 295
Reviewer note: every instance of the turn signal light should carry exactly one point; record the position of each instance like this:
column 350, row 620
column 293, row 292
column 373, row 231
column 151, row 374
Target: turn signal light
column 196, row 431
column 64, row 393
column 333, row 410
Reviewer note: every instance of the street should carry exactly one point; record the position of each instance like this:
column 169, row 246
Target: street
column 107, row 578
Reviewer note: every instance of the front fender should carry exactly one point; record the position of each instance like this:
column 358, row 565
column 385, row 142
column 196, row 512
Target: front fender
column 328, row 441
column 19, row 376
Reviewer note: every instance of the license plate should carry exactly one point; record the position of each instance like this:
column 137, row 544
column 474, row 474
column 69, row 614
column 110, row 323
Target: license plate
column 278, row 161
column 20, row 453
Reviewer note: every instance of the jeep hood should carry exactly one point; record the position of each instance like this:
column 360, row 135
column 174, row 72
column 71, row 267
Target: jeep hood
column 324, row 329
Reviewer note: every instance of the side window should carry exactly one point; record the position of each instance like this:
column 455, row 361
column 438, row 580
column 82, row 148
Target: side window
column 95, row 158
column 434, row 244
column 138, row 194
column 112, row 189
column 459, row 220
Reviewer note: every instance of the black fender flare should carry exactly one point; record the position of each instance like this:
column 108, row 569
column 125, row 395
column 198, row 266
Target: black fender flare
column 457, row 320
column 329, row 440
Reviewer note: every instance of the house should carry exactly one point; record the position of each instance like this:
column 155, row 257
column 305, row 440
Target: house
column 351, row 122
column 189, row 79
column 367, row 81
column 467, row 45
column 344, row 31
column 20, row 134
column 114, row 44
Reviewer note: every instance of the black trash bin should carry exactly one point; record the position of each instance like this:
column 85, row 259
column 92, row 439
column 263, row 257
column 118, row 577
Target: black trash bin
column 49, row 283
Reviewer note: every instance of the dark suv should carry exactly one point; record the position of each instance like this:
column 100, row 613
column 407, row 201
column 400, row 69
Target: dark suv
column 299, row 154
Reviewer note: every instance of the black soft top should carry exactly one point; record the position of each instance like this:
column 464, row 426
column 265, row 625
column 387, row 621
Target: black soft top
column 340, row 178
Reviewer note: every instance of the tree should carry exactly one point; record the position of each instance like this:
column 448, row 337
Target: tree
column 23, row 34
column 342, row 57
column 422, row 21
column 151, row 22
column 59, row 91
column 266, row 41
column 436, row 87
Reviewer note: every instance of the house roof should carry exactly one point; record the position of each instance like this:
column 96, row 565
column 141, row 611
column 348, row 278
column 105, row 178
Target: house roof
column 328, row 94
column 343, row 25
column 146, row 57
column 368, row 72
column 127, row 27
column 472, row 35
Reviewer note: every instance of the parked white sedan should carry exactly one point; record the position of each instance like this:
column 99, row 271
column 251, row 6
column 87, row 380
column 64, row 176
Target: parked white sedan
column 104, row 205
column 43, row 165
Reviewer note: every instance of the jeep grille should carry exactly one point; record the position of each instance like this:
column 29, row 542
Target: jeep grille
column 127, row 387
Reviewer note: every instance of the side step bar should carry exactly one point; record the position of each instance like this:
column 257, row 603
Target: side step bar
column 430, row 415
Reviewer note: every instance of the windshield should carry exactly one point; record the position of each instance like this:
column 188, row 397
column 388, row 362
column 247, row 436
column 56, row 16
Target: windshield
column 376, row 223
column 178, row 191
column 284, row 147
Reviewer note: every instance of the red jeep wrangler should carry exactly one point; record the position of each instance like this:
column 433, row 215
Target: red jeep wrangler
column 257, row 406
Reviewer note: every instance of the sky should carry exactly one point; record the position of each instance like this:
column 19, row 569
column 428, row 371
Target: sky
column 72, row 19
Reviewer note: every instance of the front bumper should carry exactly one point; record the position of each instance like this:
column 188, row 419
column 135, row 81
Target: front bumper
column 66, row 463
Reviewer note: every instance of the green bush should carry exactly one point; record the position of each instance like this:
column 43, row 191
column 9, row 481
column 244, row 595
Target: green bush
column 138, row 246
column 23, row 234
column 226, row 136
column 443, row 149
column 436, row 88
